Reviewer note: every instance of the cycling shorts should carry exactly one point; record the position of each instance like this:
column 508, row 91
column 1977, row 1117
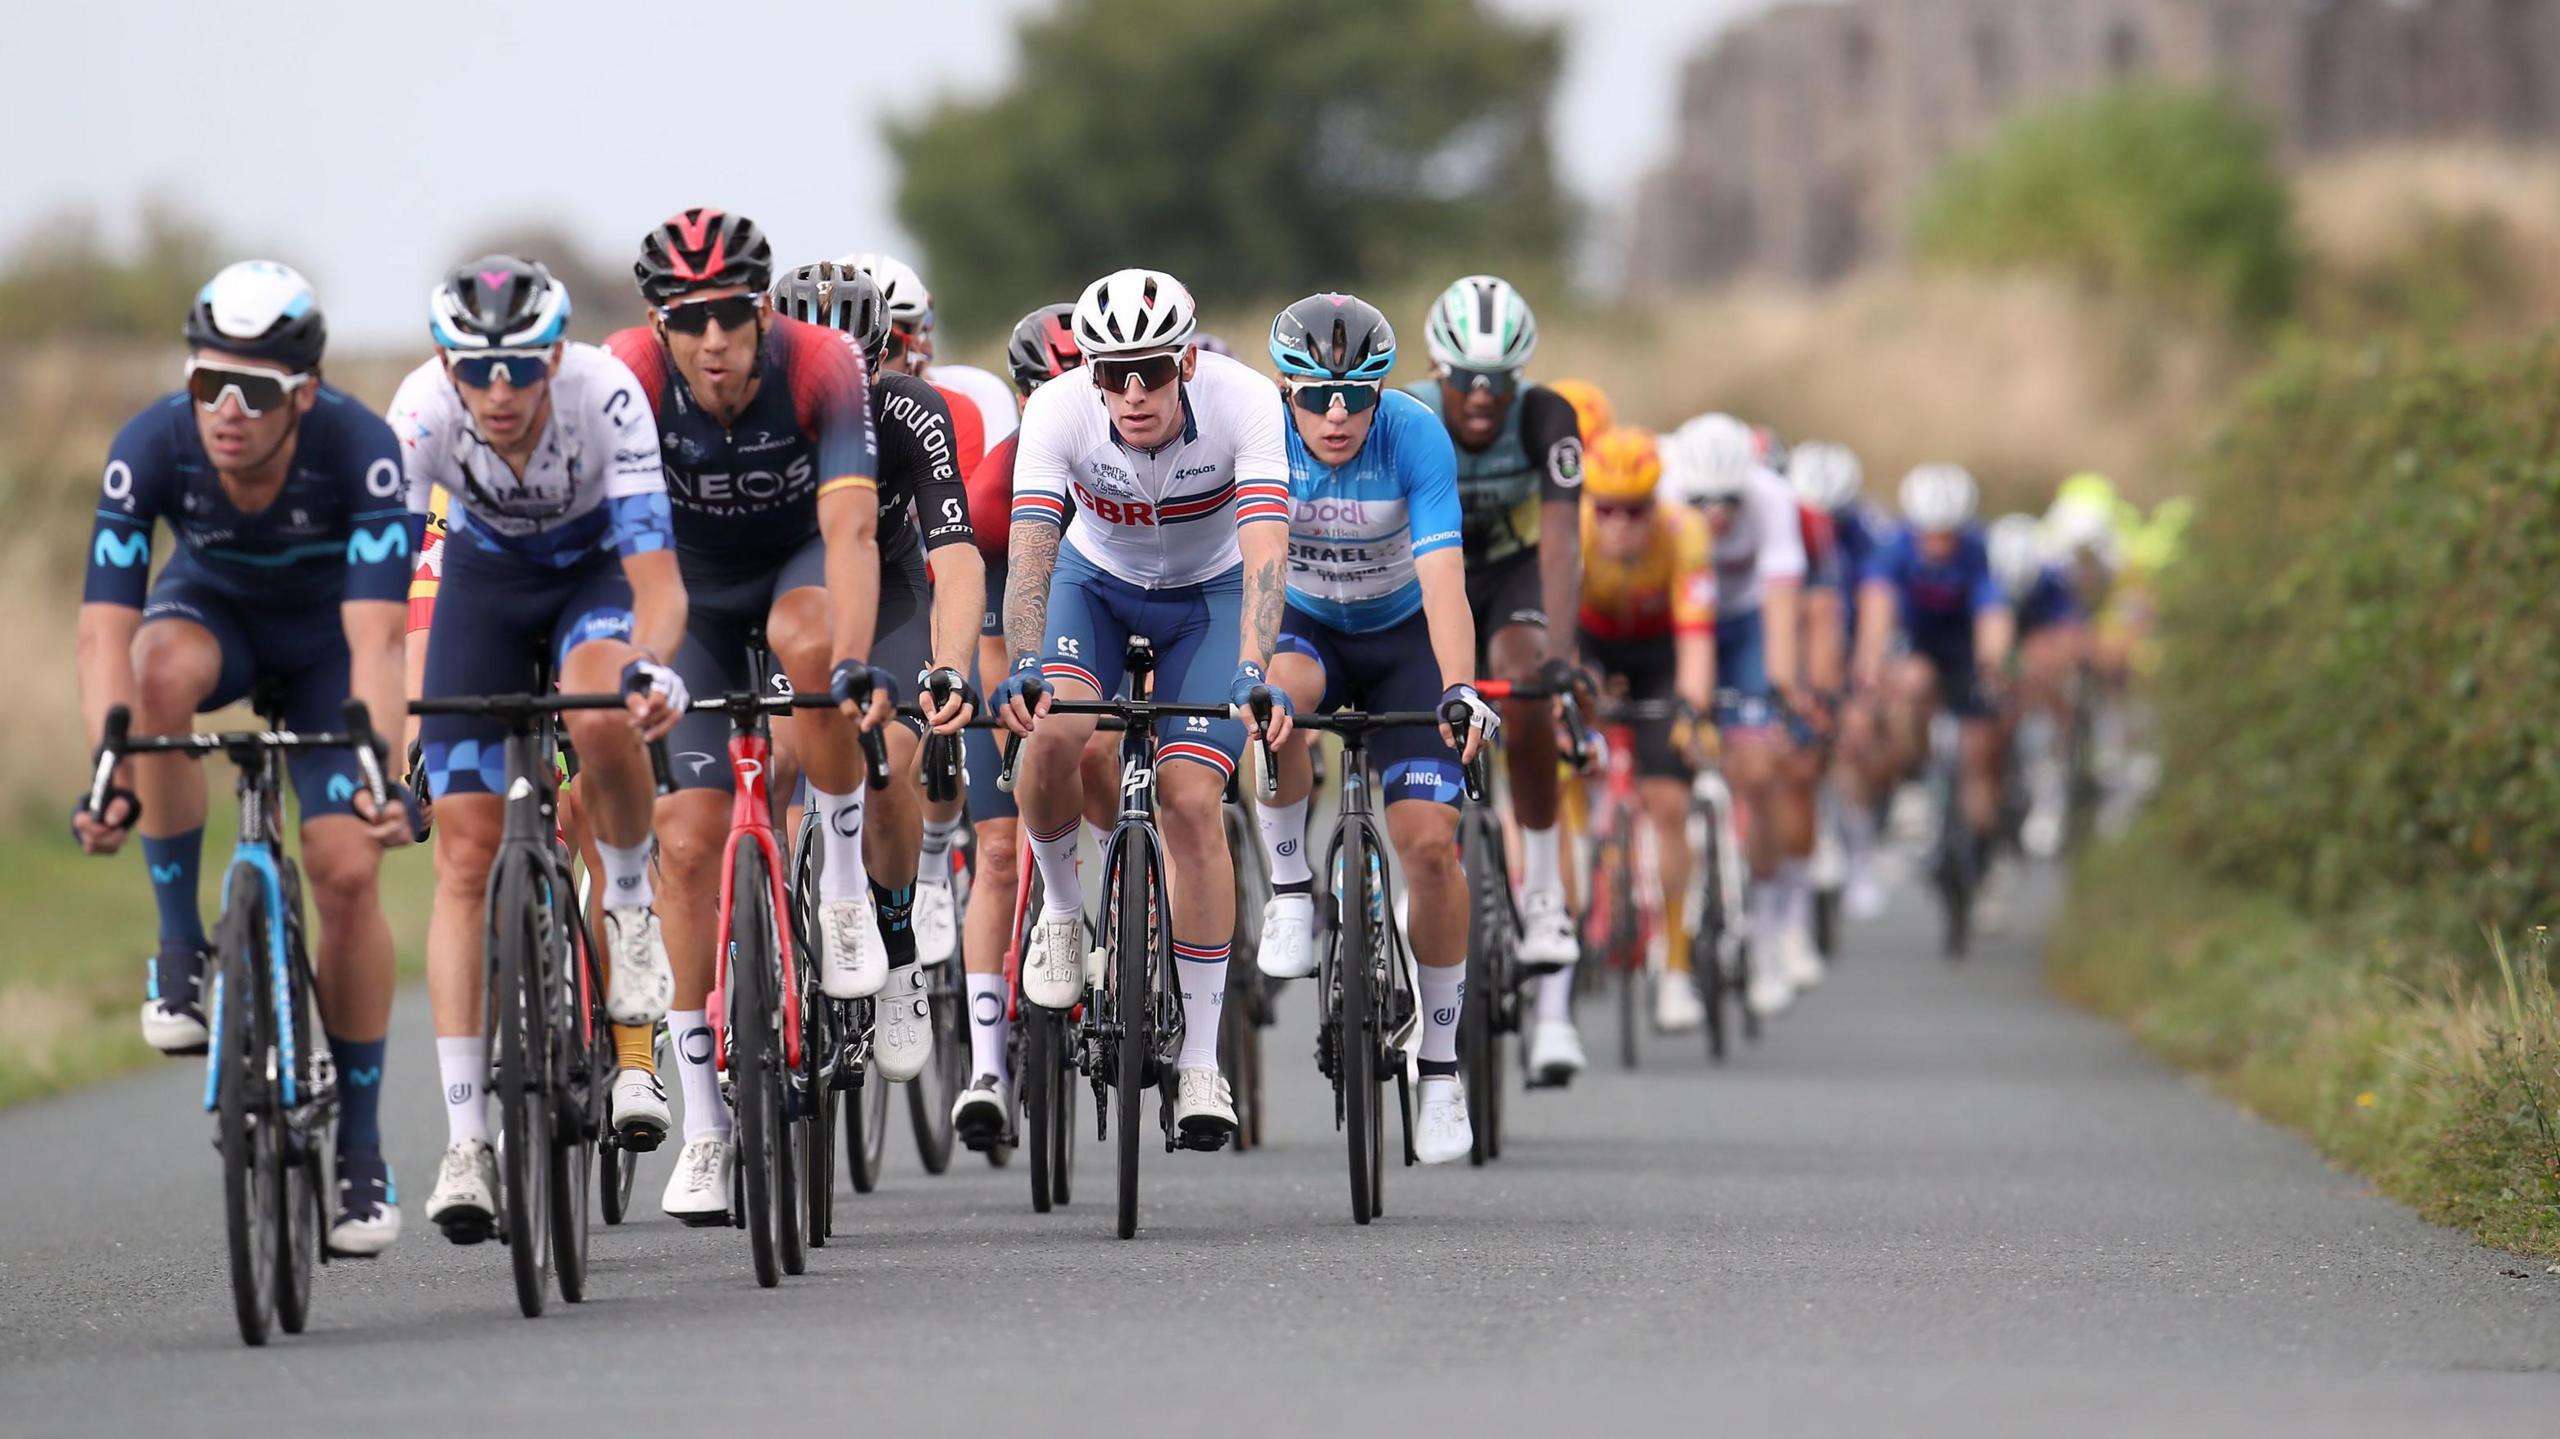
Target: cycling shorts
column 494, row 615
column 1389, row 669
column 724, row 613
column 1505, row 593
column 1196, row 631
column 304, row 649
column 1949, row 651
column 1650, row 671
column 981, row 754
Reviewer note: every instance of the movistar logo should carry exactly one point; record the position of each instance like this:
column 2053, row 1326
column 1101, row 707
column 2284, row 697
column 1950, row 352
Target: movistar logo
column 166, row 873
column 373, row 547
column 341, row 789
column 121, row 552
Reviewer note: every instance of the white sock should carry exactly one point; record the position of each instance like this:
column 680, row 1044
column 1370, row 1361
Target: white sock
column 1857, row 834
column 626, row 874
column 1542, row 865
column 1444, row 992
column 1797, row 876
column 1284, row 839
column 842, row 874
column 1204, row 997
column 1555, row 996
column 463, row 1065
column 1768, row 921
column 1056, row 856
column 933, row 860
column 704, row 1115
column 987, row 1025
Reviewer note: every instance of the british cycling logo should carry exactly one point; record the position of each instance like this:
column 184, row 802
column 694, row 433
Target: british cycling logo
column 1112, row 479
column 121, row 552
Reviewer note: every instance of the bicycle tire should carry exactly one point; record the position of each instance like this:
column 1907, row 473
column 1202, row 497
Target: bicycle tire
column 932, row 1092
column 243, row 1114
column 583, row 1040
column 1240, row 1052
column 1038, row 1096
column 1479, row 1040
column 1133, row 1002
column 866, row 1129
column 754, row 1063
column 1356, row 1040
column 813, row 1123
column 521, row 1033
column 301, row 1181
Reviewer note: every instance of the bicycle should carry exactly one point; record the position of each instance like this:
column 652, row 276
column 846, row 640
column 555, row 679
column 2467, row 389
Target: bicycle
column 272, row 1089
column 1041, row 1054
column 1364, row 984
column 1249, row 1007
column 552, row 1052
column 1129, row 1029
column 1624, row 916
column 1956, row 856
column 930, row 1094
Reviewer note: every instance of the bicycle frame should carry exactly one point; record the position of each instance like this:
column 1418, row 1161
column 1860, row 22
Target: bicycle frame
column 751, row 822
column 260, row 788
column 1618, row 796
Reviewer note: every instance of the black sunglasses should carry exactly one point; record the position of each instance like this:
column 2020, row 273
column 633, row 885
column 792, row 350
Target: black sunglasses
column 1499, row 382
column 1153, row 372
column 692, row 317
column 1318, row 396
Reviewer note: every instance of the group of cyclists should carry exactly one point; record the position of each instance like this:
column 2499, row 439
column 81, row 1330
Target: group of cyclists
column 775, row 462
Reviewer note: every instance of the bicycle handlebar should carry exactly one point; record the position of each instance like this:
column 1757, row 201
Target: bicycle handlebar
column 116, row 740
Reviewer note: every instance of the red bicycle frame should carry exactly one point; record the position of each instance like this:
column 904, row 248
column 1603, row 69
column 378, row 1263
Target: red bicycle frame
column 751, row 820
column 1617, row 794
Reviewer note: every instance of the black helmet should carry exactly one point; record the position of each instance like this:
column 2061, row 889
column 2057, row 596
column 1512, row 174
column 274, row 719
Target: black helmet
column 1333, row 337
column 701, row 249
column 839, row 297
column 1043, row 347
column 498, row 302
column 263, row 310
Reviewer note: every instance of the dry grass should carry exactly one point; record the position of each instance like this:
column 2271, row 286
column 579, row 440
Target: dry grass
column 2367, row 212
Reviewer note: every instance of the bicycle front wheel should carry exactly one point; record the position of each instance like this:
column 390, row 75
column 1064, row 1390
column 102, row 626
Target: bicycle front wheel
column 755, row 1068
column 1479, row 1037
column 248, row 1125
column 1133, row 1000
column 522, row 1030
column 1357, row 1026
column 584, row 1059
column 931, row 1093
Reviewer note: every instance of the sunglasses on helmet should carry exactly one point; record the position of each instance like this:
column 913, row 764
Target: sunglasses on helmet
column 1318, row 396
column 692, row 317
column 480, row 369
column 1152, row 372
column 258, row 391
column 1500, row 382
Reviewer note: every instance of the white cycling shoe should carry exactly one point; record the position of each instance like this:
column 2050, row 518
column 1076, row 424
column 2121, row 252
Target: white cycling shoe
column 1862, row 899
column 698, row 1192
column 368, row 1217
column 1202, row 1103
column 640, row 1113
column 1546, row 933
column 1799, row 961
column 642, row 984
column 1676, row 1006
column 1288, row 937
column 853, row 961
column 1555, row 1051
column 1053, row 966
column 1769, row 994
column 978, row 1115
column 1441, row 1130
column 937, row 922
column 902, row 1025
column 464, row 1203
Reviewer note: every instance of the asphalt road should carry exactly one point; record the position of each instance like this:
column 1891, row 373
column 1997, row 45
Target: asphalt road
column 1932, row 1201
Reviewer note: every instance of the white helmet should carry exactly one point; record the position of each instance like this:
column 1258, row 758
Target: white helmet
column 1711, row 458
column 2076, row 527
column 1481, row 323
column 1826, row 476
column 1134, row 312
column 910, row 304
column 1937, row 498
column 2017, row 554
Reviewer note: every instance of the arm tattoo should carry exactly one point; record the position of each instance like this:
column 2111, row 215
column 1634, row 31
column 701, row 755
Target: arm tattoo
column 1264, row 587
column 1033, row 559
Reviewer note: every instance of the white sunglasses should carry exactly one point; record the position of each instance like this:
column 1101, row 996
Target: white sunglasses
column 258, row 391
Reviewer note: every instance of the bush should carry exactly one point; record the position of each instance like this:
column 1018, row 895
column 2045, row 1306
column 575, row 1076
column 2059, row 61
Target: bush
column 2145, row 190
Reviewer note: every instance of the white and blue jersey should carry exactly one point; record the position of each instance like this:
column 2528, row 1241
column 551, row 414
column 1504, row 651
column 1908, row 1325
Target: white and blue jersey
column 1355, row 531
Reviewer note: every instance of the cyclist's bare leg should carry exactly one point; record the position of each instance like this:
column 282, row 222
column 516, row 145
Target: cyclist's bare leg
column 1190, row 809
column 1051, row 794
column 1528, row 726
column 352, row 962
column 895, row 829
column 988, row 926
column 176, row 664
column 1980, row 752
column 1666, row 805
column 1100, row 767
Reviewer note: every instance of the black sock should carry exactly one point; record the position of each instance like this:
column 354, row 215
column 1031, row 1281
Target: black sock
column 1437, row 1068
column 897, row 921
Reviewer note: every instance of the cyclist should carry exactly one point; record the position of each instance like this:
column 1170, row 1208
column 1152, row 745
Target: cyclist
column 780, row 525
column 1828, row 478
column 1377, row 581
column 556, row 547
column 2050, row 644
column 1592, row 411
column 291, row 556
column 920, row 478
column 1519, row 477
column 989, row 412
column 1824, row 651
column 1180, row 483
column 1648, row 624
column 1758, row 548
column 1933, row 582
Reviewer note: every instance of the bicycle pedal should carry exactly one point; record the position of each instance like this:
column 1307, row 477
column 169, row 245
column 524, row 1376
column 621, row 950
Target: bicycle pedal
column 468, row 1231
column 1205, row 1143
column 638, row 1138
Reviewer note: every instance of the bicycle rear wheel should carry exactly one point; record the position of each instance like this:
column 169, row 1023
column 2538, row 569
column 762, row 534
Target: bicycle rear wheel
column 249, row 1134
column 582, row 1044
column 1357, row 1033
column 1479, row 1035
column 1133, row 1000
column 1240, row 1049
column 755, row 1066
column 522, row 1030
column 303, row 1144
column 866, row 1122
column 932, row 1092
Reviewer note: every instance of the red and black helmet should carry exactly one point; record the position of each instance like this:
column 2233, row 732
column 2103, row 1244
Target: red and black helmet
column 1043, row 347
column 702, row 249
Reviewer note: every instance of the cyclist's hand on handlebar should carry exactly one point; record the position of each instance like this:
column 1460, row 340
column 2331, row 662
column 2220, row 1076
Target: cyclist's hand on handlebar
column 97, row 836
column 656, row 695
column 1249, row 677
column 864, row 692
column 1484, row 722
column 1561, row 676
column 398, row 823
column 958, row 703
column 1021, row 697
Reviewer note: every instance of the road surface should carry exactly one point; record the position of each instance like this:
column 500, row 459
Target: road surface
column 1933, row 1201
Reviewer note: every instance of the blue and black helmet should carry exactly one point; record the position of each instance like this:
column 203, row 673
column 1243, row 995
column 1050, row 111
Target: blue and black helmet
column 1333, row 337
column 498, row 302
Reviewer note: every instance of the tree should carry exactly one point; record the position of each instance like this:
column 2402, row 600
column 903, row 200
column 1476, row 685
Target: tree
column 1251, row 147
column 63, row 278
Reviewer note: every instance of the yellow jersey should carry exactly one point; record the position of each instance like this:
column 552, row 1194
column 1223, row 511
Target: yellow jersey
column 1667, row 589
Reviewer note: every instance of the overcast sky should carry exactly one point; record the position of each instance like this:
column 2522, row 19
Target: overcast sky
column 367, row 140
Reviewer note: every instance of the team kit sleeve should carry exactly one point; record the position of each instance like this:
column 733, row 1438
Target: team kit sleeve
column 1987, row 593
column 942, row 498
column 427, row 576
column 1553, row 434
column 129, row 498
column 1781, row 559
column 1693, row 576
column 1039, row 463
column 832, row 390
column 383, row 530
column 1429, row 464
column 635, row 485
column 1262, row 466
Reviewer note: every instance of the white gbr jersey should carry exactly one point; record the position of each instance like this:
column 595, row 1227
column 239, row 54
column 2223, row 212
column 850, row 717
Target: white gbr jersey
column 1161, row 520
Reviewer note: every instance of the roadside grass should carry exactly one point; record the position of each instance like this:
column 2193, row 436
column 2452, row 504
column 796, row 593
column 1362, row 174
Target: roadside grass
column 2435, row 1079
column 77, row 936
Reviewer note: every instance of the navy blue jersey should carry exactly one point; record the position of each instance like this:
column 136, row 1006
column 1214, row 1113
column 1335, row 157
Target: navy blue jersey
column 338, row 529
column 2049, row 602
column 1937, row 598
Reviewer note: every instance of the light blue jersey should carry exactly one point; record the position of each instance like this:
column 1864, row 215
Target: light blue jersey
column 1354, row 531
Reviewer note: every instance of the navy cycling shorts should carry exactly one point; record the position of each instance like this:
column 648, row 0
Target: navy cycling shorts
column 1949, row 651
column 304, row 649
column 494, row 616
column 1389, row 669
column 1196, row 631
